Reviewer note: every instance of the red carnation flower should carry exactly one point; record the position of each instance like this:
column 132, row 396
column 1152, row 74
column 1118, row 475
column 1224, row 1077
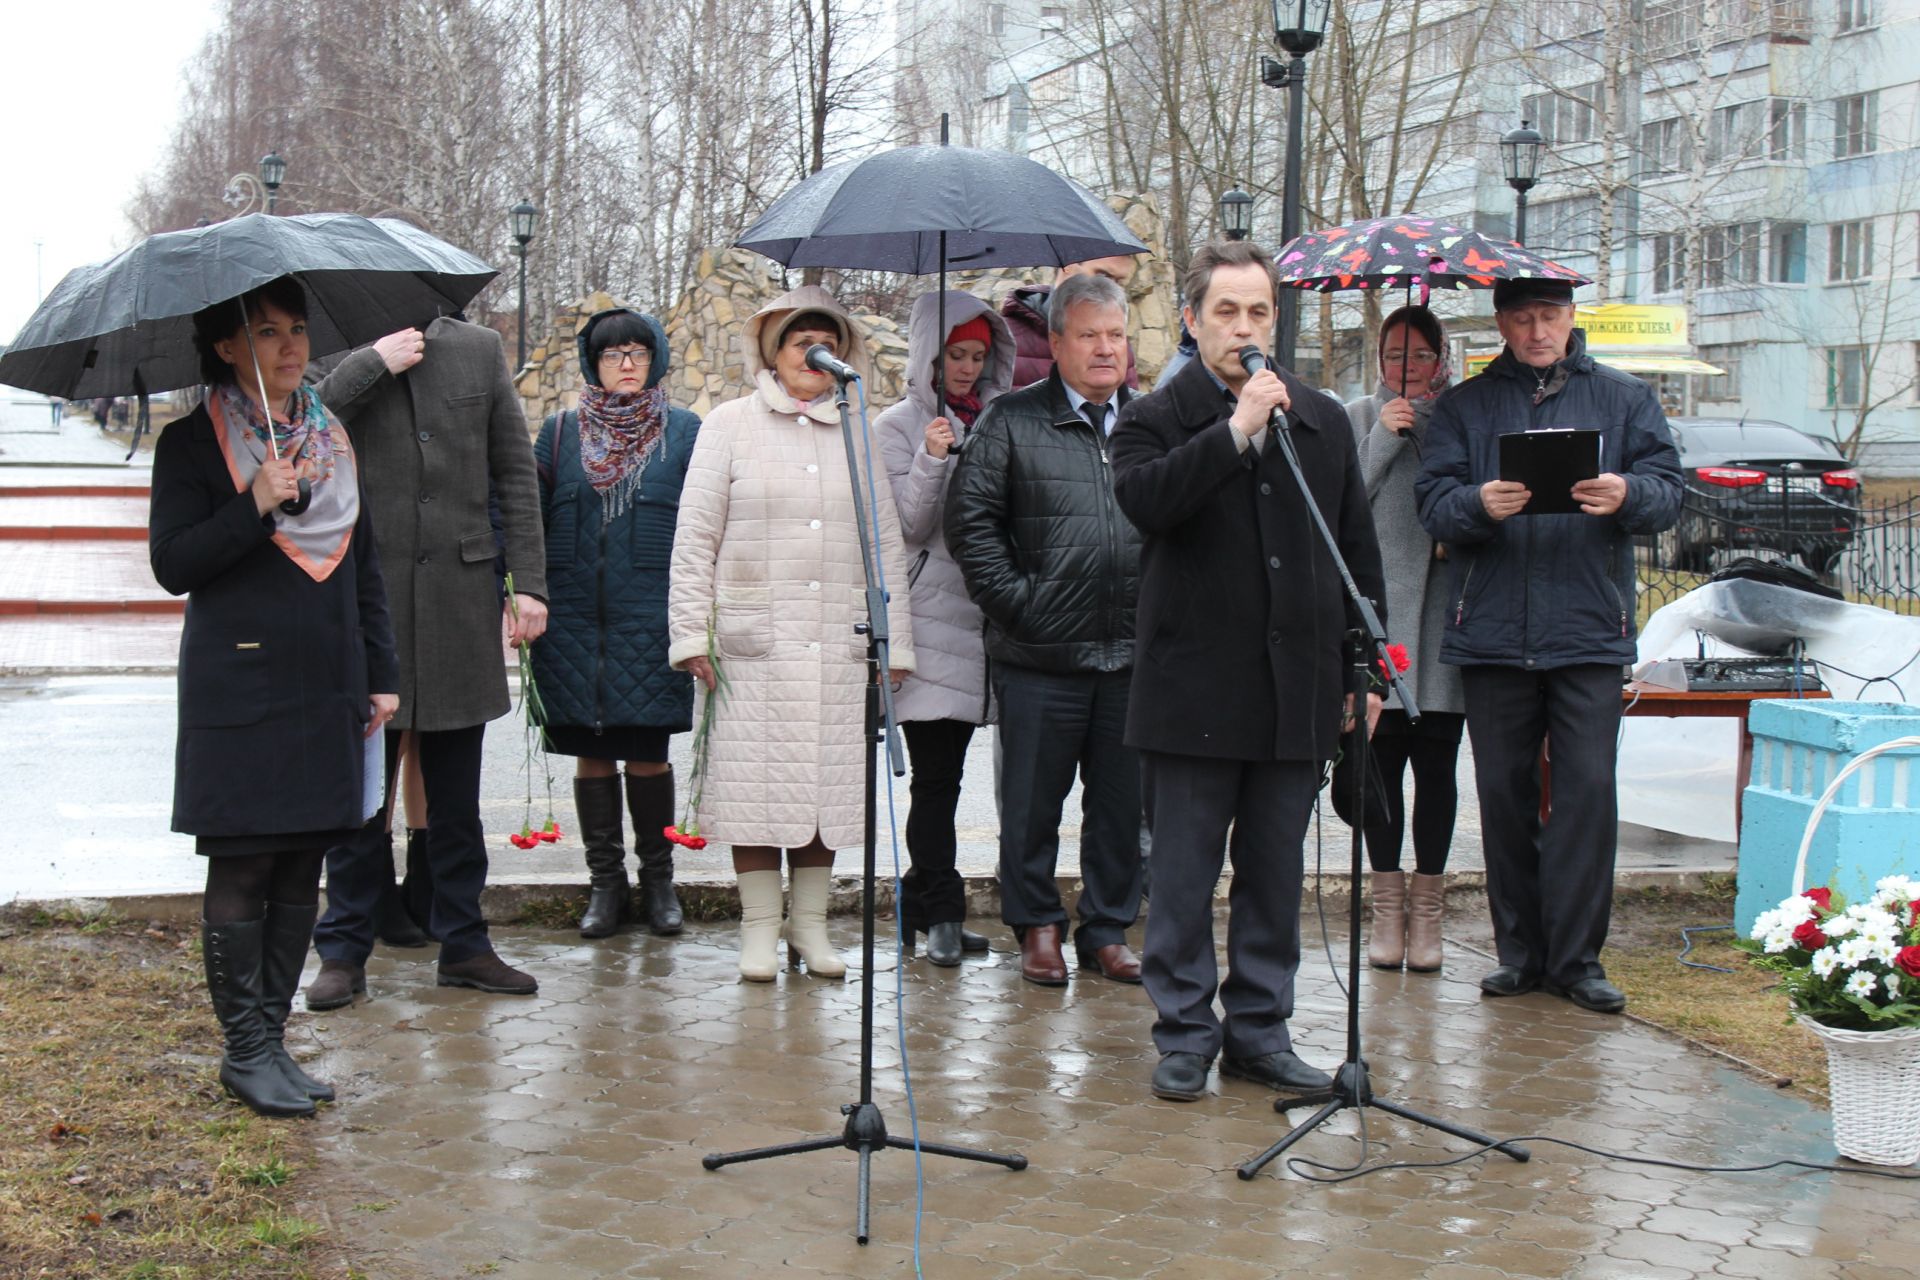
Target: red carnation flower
column 700, row 842
column 1908, row 958
column 1913, row 909
column 1398, row 653
column 1809, row 937
column 1822, row 898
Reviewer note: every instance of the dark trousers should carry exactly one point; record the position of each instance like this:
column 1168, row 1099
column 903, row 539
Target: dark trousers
column 1050, row 725
column 1195, row 800
column 931, row 892
column 1550, row 888
column 456, row 852
column 1433, row 750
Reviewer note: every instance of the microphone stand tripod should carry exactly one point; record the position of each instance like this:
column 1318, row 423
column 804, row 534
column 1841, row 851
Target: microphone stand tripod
column 1351, row 1086
column 866, row 1129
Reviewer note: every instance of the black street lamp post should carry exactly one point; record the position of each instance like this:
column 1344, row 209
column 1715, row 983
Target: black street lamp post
column 1297, row 28
column 273, row 172
column 523, row 218
column 1520, row 161
column 1236, row 214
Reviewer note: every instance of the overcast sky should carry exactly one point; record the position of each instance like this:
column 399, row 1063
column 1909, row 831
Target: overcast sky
column 88, row 94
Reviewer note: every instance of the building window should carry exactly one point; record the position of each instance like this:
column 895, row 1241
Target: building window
column 1850, row 250
column 1787, row 253
column 1787, row 130
column 1565, row 226
column 1053, row 17
column 1724, row 385
column 997, row 19
column 1665, row 147
column 1855, row 15
column 1730, row 255
column 1853, row 125
column 1669, row 263
column 1569, row 115
column 1846, row 377
column 1443, row 48
column 1735, row 134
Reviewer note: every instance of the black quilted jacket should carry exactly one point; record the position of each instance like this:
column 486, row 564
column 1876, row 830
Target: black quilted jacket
column 1032, row 522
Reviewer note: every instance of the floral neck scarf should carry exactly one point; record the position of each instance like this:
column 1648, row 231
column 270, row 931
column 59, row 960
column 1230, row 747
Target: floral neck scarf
column 620, row 431
column 317, row 538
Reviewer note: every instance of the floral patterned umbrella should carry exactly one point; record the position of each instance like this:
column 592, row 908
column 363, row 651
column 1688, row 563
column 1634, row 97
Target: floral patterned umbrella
column 1408, row 250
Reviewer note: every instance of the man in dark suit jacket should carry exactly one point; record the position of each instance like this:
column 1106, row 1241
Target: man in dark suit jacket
column 1238, row 680
column 438, row 427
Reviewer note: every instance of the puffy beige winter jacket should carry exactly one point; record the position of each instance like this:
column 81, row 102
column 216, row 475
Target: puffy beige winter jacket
column 766, row 551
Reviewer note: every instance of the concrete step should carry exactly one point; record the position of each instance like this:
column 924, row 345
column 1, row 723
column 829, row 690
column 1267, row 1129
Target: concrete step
column 80, row 576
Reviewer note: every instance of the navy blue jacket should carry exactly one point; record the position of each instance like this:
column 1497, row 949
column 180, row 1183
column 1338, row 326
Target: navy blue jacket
column 1543, row 591
column 603, row 659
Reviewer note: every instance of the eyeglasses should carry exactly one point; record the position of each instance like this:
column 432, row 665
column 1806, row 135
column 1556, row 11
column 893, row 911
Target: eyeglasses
column 1411, row 357
column 636, row 356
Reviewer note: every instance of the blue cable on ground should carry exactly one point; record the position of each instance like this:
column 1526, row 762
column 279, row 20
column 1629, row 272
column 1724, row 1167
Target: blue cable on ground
column 900, row 939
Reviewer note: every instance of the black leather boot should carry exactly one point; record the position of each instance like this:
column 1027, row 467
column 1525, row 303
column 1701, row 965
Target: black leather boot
column 597, row 802
column 248, row 1068
column 650, row 800
column 416, row 890
column 283, row 952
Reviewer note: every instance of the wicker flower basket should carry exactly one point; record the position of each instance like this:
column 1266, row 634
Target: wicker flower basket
column 1875, row 1086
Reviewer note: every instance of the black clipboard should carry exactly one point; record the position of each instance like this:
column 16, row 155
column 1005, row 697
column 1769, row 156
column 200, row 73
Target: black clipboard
column 1550, row 463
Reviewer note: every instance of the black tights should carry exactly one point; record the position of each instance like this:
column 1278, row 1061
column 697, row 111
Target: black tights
column 240, row 887
column 1435, row 797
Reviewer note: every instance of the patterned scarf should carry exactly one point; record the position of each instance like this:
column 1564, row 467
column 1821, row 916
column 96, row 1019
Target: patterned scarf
column 620, row 431
column 965, row 408
column 317, row 539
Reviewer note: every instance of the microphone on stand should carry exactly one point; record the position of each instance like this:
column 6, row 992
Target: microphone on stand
column 821, row 360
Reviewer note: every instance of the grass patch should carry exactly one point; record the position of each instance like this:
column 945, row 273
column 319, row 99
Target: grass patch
column 554, row 912
column 121, row 1158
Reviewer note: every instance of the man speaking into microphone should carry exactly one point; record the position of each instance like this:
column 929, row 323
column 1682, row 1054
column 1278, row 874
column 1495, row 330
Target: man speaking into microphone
column 1238, row 695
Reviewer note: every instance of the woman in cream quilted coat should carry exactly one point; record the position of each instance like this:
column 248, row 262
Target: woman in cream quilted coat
column 766, row 569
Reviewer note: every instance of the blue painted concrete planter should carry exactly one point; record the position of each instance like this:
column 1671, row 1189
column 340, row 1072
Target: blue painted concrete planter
column 1872, row 828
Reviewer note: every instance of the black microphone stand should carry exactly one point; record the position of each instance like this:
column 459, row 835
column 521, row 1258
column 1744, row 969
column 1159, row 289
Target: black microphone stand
column 1366, row 645
column 866, row 1129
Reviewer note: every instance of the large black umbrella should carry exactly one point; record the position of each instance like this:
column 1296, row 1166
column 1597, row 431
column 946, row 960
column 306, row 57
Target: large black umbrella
column 890, row 212
column 125, row 326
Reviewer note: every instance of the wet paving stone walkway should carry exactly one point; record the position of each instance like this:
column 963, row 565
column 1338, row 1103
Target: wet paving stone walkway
column 559, row 1137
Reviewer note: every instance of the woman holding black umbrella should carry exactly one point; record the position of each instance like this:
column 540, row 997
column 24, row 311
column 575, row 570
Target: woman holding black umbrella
column 1388, row 428
column 257, row 518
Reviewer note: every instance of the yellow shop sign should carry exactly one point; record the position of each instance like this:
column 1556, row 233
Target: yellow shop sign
column 1618, row 324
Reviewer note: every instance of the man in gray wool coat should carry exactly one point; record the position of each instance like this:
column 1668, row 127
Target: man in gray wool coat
column 438, row 428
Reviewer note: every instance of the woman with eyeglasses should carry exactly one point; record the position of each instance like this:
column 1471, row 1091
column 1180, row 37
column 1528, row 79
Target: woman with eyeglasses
column 1388, row 427
column 610, row 477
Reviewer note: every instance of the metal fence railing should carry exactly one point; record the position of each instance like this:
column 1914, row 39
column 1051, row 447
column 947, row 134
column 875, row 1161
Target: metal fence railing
column 1870, row 550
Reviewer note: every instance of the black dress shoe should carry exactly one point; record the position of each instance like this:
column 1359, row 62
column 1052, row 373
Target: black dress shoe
column 1596, row 994
column 944, row 945
column 1509, row 980
column 1282, row 1070
column 1180, row 1077
column 971, row 941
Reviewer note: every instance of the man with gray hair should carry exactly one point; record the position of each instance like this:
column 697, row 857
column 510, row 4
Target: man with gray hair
column 1053, row 564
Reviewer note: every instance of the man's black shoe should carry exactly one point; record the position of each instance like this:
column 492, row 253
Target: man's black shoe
column 1282, row 1071
column 1596, row 994
column 1508, row 980
column 1180, row 1077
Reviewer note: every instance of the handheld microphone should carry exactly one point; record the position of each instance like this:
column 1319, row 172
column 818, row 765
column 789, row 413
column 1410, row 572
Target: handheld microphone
column 1253, row 359
column 821, row 360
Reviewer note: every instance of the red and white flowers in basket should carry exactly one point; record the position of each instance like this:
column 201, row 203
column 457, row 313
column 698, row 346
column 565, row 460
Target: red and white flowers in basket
column 1854, row 967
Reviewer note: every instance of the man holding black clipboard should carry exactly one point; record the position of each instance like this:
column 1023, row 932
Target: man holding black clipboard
column 1537, row 473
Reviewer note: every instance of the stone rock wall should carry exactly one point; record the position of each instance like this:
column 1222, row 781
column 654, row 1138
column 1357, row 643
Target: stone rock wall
column 703, row 327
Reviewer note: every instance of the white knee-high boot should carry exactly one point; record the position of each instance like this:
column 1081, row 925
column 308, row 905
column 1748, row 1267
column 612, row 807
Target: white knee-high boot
column 807, row 927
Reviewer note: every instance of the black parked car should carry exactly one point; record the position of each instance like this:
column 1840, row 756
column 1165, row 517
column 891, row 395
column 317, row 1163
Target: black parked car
column 1753, row 484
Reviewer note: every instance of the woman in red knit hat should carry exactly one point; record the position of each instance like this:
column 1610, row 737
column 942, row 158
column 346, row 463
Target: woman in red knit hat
column 950, row 378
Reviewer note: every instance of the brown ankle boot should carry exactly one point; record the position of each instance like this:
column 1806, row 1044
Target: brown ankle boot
column 1387, row 939
column 1426, row 906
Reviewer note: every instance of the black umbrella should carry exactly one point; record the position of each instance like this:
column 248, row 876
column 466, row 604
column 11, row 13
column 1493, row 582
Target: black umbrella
column 923, row 209
column 125, row 326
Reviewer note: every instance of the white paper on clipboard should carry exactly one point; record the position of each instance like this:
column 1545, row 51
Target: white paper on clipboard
column 373, row 768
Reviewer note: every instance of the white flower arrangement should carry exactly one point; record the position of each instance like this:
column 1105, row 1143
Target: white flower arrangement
column 1852, row 967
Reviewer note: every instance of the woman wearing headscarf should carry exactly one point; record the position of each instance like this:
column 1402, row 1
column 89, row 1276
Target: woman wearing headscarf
column 610, row 477
column 257, row 518
column 1388, row 427
column 945, row 699
column 767, row 588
